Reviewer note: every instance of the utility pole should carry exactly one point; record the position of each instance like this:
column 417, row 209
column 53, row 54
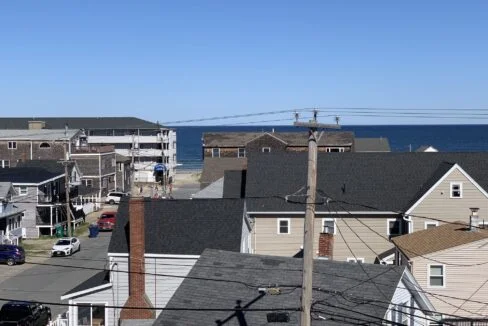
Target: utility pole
column 308, row 235
column 66, row 163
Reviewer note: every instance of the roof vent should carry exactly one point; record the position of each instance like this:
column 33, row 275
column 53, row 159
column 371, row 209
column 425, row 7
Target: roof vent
column 474, row 219
column 278, row 317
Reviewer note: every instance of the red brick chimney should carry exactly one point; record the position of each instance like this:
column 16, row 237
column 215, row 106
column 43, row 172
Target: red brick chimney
column 137, row 280
column 326, row 245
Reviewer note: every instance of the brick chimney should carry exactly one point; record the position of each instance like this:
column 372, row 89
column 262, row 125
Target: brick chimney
column 326, row 245
column 137, row 280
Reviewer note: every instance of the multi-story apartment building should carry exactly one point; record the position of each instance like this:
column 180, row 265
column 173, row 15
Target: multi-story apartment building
column 145, row 143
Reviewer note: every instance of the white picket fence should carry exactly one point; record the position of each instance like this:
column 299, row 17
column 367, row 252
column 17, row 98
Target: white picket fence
column 59, row 321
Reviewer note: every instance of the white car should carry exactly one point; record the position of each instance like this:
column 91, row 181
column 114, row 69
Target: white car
column 66, row 247
column 114, row 197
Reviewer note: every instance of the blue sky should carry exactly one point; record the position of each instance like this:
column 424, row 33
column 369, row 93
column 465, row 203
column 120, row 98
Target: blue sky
column 181, row 60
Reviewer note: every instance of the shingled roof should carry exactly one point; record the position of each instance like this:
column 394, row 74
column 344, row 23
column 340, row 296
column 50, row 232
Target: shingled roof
column 27, row 175
column 79, row 123
column 442, row 237
column 184, row 227
column 298, row 138
column 214, row 168
column 221, row 278
column 384, row 181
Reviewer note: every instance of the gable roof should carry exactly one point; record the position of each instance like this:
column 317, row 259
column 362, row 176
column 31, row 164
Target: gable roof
column 298, row 138
column 213, row 190
column 390, row 182
column 214, row 167
column 240, row 275
column 79, row 123
column 97, row 281
column 38, row 134
column 6, row 189
column 183, row 226
column 27, row 175
column 234, row 184
column 372, row 145
column 442, row 237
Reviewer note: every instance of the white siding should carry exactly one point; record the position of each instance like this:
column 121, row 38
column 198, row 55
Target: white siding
column 401, row 296
column 245, row 237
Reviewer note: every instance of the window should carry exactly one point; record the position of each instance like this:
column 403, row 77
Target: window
column 23, row 190
column 437, row 276
column 215, row 152
column 4, row 163
column 113, row 162
column 119, row 166
column 266, row 149
column 241, row 152
column 456, row 190
column 393, row 227
column 328, row 225
column 12, row 145
column 44, row 145
column 88, row 183
column 283, row 226
column 334, row 149
column 430, row 225
column 355, row 260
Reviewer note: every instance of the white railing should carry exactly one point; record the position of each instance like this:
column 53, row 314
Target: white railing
column 59, row 321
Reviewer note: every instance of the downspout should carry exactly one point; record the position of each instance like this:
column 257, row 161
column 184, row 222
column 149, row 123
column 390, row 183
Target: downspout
column 408, row 219
column 31, row 150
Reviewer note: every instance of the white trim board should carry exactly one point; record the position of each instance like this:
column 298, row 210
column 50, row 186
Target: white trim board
column 428, row 192
column 325, row 213
column 86, row 291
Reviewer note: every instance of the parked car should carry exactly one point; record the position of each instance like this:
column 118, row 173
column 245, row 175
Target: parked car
column 19, row 313
column 106, row 221
column 66, row 247
column 11, row 254
column 114, row 197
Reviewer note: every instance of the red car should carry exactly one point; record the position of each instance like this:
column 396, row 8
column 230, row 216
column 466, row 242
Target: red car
column 106, row 221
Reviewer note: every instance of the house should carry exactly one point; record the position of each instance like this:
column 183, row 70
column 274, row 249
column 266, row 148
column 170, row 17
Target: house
column 98, row 164
column 19, row 145
column 447, row 262
column 169, row 236
column 362, row 198
column 230, row 288
column 426, row 148
column 149, row 143
column 41, row 194
column 123, row 173
column 10, row 216
column 229, row 150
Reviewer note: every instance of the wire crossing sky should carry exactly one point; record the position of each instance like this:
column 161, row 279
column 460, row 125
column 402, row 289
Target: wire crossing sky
column 186, row 60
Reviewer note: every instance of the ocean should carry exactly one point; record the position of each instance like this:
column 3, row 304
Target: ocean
column 402, row 138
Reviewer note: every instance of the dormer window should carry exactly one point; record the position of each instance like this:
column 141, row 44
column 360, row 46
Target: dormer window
column 456, row 190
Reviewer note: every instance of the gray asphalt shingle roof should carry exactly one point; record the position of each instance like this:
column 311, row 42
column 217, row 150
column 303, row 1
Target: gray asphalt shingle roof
column 388, row 181
column 184, row 227
column 214, row 167
column 80, row 123
column 371, row 145
column 37, row 134
column 32, row 175
column 98, row 279
column 220, row 278
column 54, row 166
column 5, row 189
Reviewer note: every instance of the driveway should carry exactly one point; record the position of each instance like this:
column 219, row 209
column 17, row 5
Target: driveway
column 45, row 280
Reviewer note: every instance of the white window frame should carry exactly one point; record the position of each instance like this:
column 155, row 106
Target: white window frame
column 23, row 193
column 435, row 223
column 5, row 164
column 218, row 150
column 454, row 183
column 239, row 152
column 388, row 226
column 328, row 219
column 355, row 260
column 12, row 145
column 105, row 304
column 88, row 181
column 278, row 231
column 336, row 149
column 266, row 149
column 443, row 276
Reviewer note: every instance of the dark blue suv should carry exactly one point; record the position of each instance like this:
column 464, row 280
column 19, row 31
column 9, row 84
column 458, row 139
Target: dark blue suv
column 11, row 254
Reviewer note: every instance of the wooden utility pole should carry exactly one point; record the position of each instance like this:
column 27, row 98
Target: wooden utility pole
column 66, row 163
column 308, row 235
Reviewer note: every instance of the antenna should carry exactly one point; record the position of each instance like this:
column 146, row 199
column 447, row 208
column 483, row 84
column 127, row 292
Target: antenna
column 337, row 119
column 297, row 116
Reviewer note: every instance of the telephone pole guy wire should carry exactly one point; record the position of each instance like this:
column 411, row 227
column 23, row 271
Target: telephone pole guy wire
column 308, row 236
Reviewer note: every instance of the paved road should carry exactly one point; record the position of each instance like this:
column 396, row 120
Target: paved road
column 47, row 282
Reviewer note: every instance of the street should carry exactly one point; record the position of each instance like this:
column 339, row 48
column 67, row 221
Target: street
column 45, row 280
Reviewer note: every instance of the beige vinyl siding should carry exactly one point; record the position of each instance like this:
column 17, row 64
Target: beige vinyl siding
column 460, row 281
column 266, row 240
column 439, row 204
